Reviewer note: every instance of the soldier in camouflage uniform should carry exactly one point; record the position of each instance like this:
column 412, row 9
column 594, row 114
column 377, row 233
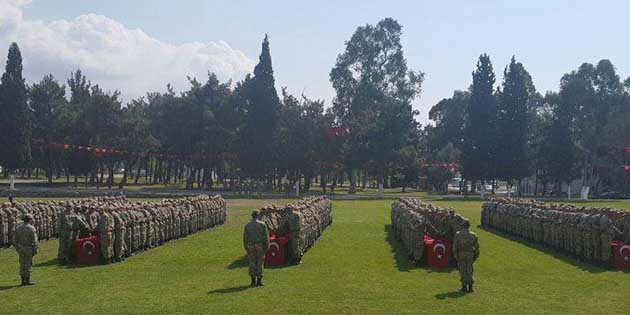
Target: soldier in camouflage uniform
column 119, row 236
column 466, row 251
column 106, row 232
column 4, row 227
column 294, row 238
column 256, row 243
column 26, row 245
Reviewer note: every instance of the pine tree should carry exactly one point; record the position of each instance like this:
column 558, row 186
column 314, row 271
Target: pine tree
column 263, row 104
column 15, row 128
column 512, row 161
column 480, row 132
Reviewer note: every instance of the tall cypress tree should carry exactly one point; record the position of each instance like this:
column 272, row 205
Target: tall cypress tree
column 263, row 104
column 512, row 161
column 479, row 156
column 15, row 128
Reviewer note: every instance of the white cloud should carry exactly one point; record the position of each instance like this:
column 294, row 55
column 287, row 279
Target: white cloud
column 112, row 55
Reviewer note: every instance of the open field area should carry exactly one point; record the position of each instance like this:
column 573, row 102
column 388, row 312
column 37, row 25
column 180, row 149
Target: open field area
column 355, row 268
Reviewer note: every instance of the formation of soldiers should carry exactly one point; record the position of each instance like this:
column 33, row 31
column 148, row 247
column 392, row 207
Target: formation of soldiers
column 125, row 228
column 412, row 219
column 303, row 221
column 585, row 233
column 43, row 213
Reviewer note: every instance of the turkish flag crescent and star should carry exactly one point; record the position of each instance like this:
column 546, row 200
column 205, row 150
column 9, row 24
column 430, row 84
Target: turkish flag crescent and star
column 621, row 254
column 438, row 251
column 88, row 250
column 276, row 255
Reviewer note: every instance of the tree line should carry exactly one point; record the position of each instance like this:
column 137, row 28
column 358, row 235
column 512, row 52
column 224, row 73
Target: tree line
column 511, row 132
column 217, row 134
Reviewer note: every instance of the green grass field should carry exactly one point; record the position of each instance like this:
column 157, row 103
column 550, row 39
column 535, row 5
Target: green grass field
column 354, row 268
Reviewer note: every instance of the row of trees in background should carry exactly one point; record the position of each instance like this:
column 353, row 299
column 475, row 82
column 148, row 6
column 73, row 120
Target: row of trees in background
column 220, row 133
column 219, row 130
column 512, row 132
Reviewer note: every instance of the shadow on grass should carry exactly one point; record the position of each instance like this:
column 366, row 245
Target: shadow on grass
column 55, row 262
column 52, row 262
column 9, row 287
column 549, row 251
column 403, row 263
column 450, row 295
column 229, row 290
column 238, row 263
column 242, row 263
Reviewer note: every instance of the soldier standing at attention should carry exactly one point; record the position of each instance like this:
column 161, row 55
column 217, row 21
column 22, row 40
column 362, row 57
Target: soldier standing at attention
column 26, row 246
column 256, row 242
column 106, row 231
column 466, row 251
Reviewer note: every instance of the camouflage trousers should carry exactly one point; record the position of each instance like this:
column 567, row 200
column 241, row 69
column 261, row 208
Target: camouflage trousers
column 64, row 243
column 26, row 261
column 256, row 259
column 606, row 250
column 119, row 244
column 294, row 245
column 107, row 246
column 465, row 268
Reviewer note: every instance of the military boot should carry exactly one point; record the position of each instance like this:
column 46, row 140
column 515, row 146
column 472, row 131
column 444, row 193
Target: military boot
column 253, row 283
column 27, row 281
column 259, row 282
column 23, row 280
column 470, row 288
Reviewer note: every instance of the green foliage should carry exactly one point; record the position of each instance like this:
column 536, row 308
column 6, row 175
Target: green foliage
column 48, row 100
column 438, row 176
column 262, row 106
column 480, row 133
column 15, row 126
column 513, row 123
column 449, row 116
column 374, row 95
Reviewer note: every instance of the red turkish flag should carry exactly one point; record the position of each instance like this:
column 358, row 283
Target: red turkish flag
column 621, row 254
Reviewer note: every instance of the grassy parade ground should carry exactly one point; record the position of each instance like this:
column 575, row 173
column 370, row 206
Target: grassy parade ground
column 356, row 267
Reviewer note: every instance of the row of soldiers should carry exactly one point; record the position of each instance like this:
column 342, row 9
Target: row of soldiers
column 45, row 217
column 586, row 233
column 125, row 228
column 412, row 219
column 303, row 221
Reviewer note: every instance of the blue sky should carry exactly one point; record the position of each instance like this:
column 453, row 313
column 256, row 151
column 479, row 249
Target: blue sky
column 441, row 38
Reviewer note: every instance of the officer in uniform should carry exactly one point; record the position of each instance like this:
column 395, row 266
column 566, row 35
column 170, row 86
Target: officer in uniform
column 26, row 246
column 256, row 243
column 466, row 251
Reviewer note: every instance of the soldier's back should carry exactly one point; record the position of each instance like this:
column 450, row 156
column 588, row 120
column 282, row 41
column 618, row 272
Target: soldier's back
column 24, row 235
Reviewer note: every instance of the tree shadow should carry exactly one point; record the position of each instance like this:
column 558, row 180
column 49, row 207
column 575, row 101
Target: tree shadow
column 565, row 257
column 403, row 263
column 9, row 287
column 229, row 290
column 450, row 295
